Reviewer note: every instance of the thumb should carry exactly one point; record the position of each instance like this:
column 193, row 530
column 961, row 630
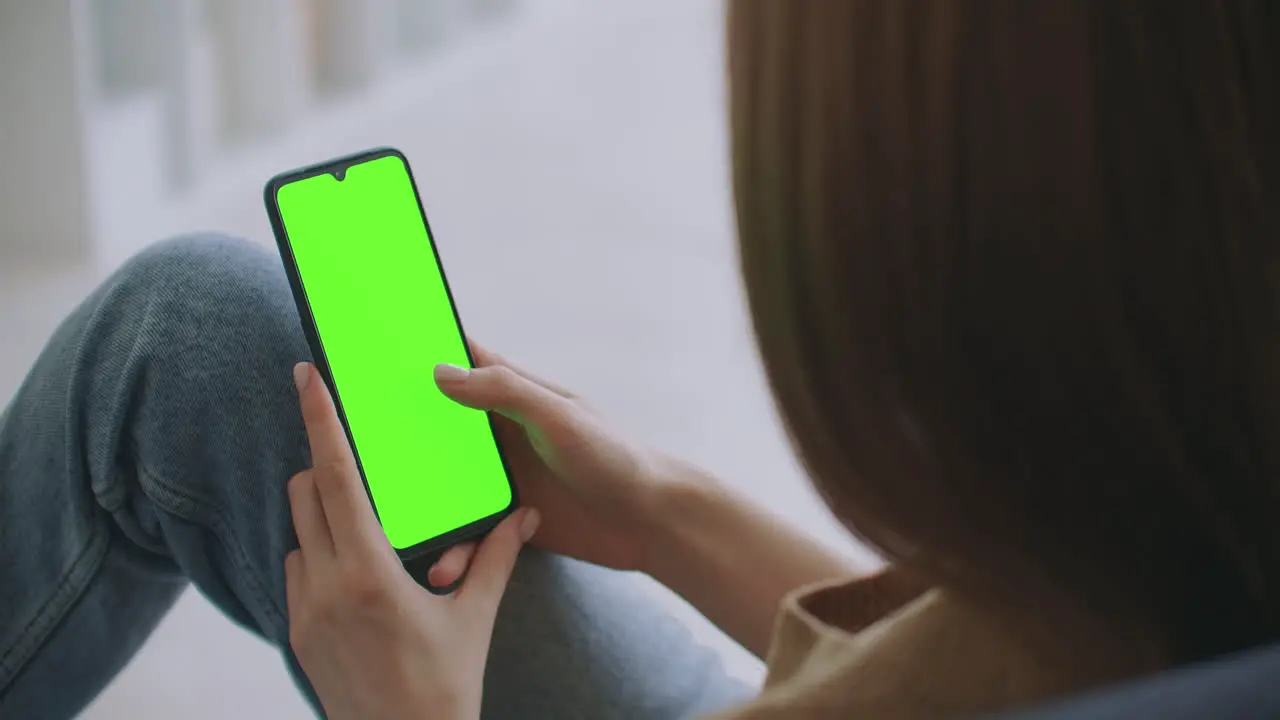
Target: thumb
column 496, row 558
column 497, row 388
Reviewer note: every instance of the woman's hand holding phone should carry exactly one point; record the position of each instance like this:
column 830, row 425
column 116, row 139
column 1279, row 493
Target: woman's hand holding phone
column 596, row 491
column 371, row 641
column 612, row 503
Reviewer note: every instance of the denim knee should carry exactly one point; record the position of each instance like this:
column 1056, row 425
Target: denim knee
column 227, row 296
column 210, row 323
column 212, row 278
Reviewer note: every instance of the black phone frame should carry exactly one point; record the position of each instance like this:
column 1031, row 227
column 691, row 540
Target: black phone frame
column 338, row 167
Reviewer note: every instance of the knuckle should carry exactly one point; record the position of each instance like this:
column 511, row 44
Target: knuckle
column 335, row 469
column 332, row 473
column 504, row 378
column 362, row 588
column 561, row 420
column 298, row 484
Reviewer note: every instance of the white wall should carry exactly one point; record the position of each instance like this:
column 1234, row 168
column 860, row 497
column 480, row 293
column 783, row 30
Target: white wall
column 117, row 117
column 43, row 200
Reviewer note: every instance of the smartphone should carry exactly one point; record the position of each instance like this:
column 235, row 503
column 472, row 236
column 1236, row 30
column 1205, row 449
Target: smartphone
column 378, row 313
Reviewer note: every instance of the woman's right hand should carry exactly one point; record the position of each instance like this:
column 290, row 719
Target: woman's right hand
column 613, row 503
column 595, row 490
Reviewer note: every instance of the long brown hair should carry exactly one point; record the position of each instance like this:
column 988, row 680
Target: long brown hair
column 1012, row 267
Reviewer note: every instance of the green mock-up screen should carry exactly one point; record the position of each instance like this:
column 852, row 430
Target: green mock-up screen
column 384, row 319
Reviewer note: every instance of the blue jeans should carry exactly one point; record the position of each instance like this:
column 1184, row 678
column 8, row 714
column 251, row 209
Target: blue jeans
column 150, row 446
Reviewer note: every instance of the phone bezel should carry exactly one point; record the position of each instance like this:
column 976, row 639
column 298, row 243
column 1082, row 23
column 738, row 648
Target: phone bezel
column 441, row 542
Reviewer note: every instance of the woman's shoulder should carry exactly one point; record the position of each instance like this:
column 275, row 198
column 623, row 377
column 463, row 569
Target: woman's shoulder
column 891, row 648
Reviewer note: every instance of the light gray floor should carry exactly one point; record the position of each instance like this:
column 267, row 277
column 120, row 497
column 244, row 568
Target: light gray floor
column 578, row 186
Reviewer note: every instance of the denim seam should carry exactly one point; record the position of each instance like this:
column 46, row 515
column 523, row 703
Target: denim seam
column 71, row 588
column 183, row 505
column 172, row 500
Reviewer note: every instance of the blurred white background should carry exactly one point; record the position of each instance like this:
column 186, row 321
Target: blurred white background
column 572, row 156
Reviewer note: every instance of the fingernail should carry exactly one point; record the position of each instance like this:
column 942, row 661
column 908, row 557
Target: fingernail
column 301, row 375
column 529, row 524
column 451, row 373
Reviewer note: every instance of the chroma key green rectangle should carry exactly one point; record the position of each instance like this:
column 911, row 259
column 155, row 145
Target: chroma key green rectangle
column 369, row 281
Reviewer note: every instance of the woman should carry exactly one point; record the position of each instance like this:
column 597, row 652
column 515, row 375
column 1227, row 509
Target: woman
column 1012, row 268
